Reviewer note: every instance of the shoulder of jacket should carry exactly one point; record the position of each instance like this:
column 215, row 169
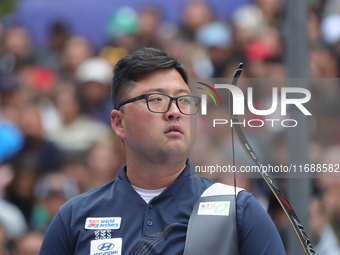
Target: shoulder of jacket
column 221, row 189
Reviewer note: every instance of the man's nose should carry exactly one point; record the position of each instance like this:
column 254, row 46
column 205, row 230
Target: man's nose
column 173, row 112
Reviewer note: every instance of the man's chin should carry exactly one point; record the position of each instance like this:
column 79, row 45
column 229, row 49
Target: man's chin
column 178, row 151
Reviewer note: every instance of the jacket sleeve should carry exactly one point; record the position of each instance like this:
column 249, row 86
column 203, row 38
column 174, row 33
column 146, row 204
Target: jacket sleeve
column 257, row 233
column 57, row 238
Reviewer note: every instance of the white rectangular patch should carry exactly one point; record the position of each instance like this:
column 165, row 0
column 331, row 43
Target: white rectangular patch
column 103, row 223
column 214, row 208
column 107, row 247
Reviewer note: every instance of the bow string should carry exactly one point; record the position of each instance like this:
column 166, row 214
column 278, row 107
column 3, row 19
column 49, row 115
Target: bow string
column 287, row 208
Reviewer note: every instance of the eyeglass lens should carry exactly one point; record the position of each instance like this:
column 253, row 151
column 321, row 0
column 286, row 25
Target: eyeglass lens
column 161, row 103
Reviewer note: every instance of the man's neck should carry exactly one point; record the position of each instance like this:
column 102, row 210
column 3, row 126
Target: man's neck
column 153, row 176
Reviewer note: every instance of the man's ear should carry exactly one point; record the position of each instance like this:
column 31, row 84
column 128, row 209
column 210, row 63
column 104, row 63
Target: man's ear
column 117, row 123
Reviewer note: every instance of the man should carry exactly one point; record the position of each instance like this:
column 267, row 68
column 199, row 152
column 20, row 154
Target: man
column 147, row 208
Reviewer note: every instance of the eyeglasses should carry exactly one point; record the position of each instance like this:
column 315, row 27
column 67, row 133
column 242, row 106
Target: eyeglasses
column 160, row 103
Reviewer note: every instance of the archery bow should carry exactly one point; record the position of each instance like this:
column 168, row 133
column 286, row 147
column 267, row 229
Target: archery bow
column 293, row 219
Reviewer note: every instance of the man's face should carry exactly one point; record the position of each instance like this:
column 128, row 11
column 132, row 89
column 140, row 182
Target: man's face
column 157, row 137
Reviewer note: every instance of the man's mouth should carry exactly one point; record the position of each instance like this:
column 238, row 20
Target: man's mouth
column 174, row 129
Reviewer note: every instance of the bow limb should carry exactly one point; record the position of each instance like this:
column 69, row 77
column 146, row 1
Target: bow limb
column 287, row 208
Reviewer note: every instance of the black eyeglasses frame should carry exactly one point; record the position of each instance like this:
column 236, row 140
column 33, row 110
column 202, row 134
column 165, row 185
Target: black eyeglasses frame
column 146, row 96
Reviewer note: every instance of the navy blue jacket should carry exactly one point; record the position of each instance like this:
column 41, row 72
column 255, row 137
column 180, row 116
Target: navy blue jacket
column 114, row 219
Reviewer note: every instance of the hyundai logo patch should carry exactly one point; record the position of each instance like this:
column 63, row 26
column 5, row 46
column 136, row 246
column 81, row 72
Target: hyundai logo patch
column 106, row 246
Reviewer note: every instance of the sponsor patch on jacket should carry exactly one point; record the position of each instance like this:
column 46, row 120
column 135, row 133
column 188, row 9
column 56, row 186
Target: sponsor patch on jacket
column 214, row 208
column 106, row 247
column 103, row 223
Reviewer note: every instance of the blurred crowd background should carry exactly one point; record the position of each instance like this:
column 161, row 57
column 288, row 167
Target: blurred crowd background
column 55, row 75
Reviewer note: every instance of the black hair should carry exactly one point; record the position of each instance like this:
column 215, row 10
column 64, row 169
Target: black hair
column 135, row 66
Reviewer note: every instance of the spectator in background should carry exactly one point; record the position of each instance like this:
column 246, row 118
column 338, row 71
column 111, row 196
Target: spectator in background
column 148, row 26
column 267, row 45
column 313, row 29
column 112, row 54
column 322, row 234
column 11, row 217
column 51, row 191
column 96, row 167
column 50, row 56
column 38, row 152
column 77, row 132
column 330, row 188
column 324, row 63
column 104, row 161
column 94, row 77
column 20, row 190
column 75, row 166
column 327, row 118
column 195, row 14
column 99, row 165
column 39, row 84
column 19, row 50
column 182, row 50
column 271, row 10
column 3, row 241
column 215, row 38
column 247, row 24
column 122, row 28
column 28, row 244
column 77, row 49
column 12, row 98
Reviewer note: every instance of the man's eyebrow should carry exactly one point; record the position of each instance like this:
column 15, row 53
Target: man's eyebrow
column 186, row 91
column 161, row 90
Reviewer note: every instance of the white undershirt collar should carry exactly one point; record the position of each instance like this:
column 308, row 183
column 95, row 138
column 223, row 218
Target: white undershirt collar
column 147, row 194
